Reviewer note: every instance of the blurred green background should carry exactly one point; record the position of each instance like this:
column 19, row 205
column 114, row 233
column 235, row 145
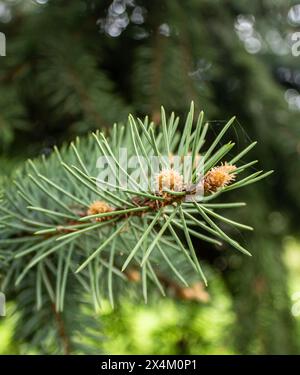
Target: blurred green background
column 75, row 66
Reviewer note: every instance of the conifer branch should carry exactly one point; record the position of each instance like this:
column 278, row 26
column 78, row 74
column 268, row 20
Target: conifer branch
column 94, row 227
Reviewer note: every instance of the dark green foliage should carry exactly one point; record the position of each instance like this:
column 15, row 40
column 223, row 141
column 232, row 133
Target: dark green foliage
column 64, row 74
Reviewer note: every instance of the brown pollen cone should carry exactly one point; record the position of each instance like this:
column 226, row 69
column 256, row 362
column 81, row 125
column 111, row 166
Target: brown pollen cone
column 196, row 292
column 133, row 275
column 169, row 179
column 100, row 207
column 219, row 177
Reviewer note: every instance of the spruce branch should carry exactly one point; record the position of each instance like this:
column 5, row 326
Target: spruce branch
column 59, row 213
